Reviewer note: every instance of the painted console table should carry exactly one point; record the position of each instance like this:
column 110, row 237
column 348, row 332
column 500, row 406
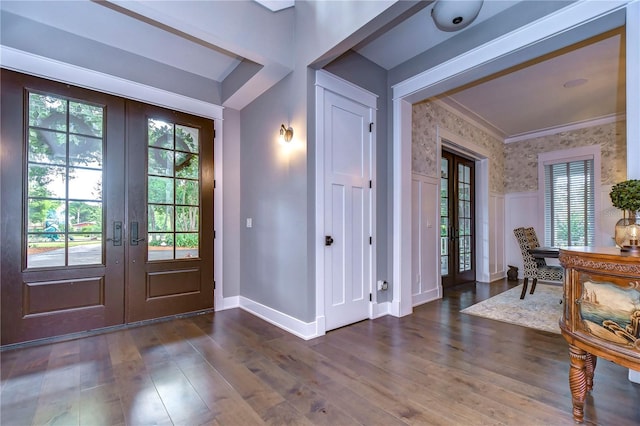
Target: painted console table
column 601, row 315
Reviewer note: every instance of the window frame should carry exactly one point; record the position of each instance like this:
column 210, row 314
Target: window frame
column 567, row 156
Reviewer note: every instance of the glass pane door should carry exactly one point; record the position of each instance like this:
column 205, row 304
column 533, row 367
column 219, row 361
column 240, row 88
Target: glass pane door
column 63, row 209
column 170, row 214
column 457, row 241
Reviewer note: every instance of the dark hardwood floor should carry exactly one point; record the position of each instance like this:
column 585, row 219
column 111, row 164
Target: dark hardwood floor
column 435, row 367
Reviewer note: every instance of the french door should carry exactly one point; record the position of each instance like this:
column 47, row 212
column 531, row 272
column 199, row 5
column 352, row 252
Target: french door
column 78, row 249
column 170, row 213
column 457, row 221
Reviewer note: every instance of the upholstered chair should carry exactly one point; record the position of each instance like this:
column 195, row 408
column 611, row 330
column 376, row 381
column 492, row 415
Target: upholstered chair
column 534, row 268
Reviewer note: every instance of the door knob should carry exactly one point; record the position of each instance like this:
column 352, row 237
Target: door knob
column 328, row 240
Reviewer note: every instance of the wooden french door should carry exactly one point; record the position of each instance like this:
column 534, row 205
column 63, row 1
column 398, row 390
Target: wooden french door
column 72, row 183
column 457, row 219
column 170, row 213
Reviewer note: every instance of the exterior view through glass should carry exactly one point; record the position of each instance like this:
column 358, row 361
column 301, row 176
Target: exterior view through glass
column 173, row 191
column 64, row 220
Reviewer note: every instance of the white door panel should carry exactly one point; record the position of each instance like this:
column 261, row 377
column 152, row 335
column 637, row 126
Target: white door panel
column 347, row 210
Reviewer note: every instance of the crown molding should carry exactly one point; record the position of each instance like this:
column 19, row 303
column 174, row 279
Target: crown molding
column 470, row 117
column 599, row 121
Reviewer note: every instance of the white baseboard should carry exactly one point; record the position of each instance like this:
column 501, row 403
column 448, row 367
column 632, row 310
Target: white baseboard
column 228, row 303
column 497, row 276
column 425, row 297
column 304, row 330
column 380, row 309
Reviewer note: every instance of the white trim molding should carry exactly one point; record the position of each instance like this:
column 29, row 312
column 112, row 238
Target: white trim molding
column 41, row 66
column 304, row 330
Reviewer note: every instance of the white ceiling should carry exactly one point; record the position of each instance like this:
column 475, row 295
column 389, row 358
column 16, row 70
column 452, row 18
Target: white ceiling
column 418, row 34
column 111, row 27
column 527, row 101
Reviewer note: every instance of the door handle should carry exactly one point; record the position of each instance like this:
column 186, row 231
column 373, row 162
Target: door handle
column 133, row 234
column 328, row 240
column 117, row 234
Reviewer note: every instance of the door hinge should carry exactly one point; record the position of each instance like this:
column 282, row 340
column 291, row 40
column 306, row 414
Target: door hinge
column 214, row 234
column 370, row 297
column 370, row 240
column 370, row 184
column 214, row 133
column 214, row 184
column 214, row 284
column 370, row 127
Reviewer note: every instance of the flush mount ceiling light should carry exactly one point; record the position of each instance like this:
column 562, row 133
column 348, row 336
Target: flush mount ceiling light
column 454, row 15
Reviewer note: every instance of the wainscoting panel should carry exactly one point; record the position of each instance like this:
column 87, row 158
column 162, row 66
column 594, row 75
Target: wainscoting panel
column 521, row 209
column 425, row 225
column 497, row 265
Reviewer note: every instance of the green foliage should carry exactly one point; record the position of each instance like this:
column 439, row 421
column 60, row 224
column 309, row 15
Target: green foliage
column 575, row 228
column 187, row 240
column 626, row 195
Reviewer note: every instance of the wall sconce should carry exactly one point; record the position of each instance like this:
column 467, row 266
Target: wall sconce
column 454, row 15
column 286, row 135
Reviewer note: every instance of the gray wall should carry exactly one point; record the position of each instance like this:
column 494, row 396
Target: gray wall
column 363, row 73
column 273, row 260
column 230, row 186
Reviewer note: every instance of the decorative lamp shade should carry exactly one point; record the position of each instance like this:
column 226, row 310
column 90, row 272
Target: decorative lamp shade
column 627, row 233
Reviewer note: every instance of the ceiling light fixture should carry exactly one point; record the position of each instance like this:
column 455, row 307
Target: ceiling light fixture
column 454, row 15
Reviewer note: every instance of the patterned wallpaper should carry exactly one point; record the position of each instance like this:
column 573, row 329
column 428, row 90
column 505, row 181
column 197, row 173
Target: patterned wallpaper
column 427, row 116
column 521, row 165
column 514, row 166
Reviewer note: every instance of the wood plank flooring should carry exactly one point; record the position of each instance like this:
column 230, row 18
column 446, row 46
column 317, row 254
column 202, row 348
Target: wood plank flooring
column 435, row 367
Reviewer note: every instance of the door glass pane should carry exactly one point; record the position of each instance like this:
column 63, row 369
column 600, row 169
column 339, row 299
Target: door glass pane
column 444, row 217
column 173, row 191
column 160, row 190
column 85, row 151
column 85, row 184
column 64, row 182
column 160, row 218
column 160, row 246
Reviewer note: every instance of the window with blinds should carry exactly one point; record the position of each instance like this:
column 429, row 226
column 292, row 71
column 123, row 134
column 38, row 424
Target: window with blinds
column 569, row 203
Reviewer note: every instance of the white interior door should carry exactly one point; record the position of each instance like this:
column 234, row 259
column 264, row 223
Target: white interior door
column 348, row 244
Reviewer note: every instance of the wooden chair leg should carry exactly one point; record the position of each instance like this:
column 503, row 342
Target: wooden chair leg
column 524, row 287
column 533, row 285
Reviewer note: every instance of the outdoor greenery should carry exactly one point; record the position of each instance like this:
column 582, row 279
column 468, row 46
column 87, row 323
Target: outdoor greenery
column 626, row 195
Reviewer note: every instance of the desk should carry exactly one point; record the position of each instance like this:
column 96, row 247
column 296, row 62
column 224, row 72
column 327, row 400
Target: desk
column 601, row 317
column 542, row 252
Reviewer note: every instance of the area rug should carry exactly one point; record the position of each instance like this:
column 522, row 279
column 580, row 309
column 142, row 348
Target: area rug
column 540, row 310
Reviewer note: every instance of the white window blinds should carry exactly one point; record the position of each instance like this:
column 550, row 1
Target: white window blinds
column 569, row 203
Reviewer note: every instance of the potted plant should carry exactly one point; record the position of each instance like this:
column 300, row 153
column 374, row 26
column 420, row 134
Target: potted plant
column 626, row 196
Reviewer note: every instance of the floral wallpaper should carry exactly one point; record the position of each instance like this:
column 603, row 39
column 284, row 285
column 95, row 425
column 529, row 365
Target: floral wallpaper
column 514, row 166
column 521, row 158
column 427, row 116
